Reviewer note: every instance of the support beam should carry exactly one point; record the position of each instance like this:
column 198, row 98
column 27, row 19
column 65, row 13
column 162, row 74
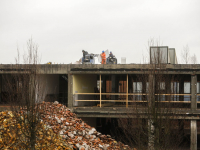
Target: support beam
column 70, row 90
column 151, row 91
column 193, row 135
column 181, row 89
column 127, row 91
column 193, row 92
column 113, row 97
column 32, row 88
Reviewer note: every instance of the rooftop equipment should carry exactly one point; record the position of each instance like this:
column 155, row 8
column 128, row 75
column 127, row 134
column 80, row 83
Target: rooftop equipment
column 123, row 60
column 162, row 54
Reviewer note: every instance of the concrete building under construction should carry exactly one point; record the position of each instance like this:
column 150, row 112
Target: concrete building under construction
column 121, row 90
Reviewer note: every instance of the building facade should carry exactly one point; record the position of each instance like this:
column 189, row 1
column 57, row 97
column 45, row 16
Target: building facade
column 114, row 91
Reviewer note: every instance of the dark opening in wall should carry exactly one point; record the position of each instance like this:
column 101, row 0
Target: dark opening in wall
column 111, row 126
column 134, row 132
column 63, row 89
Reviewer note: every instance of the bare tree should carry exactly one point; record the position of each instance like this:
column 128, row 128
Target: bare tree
column 194, row 59
column 185, row 54
column 149, row 123
column 25, row 94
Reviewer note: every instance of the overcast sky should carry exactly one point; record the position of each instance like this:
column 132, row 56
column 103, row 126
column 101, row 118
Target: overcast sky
column 62, row 28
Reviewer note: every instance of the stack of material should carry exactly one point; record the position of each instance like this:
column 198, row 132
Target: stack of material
column 59, row 129
column 11, row 136
column 62, row 121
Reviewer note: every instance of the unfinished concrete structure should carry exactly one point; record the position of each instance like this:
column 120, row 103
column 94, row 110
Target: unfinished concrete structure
column 78, row 87
column 113, row 91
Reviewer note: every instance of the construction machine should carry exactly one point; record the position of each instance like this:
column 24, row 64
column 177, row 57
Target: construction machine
column 111, row 60
column 96, row 58
column 89, row 58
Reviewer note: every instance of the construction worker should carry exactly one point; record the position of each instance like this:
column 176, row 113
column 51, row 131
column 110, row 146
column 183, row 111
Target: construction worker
column 84, row 53
column 111, row 54
column 103, row 57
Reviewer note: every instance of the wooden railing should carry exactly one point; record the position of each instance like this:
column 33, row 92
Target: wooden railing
column 127, row 100
column 127, row 95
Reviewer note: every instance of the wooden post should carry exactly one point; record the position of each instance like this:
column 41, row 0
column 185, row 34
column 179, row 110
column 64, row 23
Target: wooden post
column 100, row 89
column 127, row 91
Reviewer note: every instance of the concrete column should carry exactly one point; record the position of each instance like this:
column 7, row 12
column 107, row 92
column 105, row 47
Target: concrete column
column 193, row 124
column 32, row 89
column 151, row 91
column 193, row 135
column 193, row 92
column 103, row 88
column 181, row 89
column 70, row 90
column 168, row 87
column 113, row 87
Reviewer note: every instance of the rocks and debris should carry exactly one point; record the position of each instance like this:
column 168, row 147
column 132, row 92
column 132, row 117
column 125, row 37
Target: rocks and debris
column 60, row 121
column 75, row 131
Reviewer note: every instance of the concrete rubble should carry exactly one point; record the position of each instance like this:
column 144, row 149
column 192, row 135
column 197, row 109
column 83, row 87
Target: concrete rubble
column 74, row 131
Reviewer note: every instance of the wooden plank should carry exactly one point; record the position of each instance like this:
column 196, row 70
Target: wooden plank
column 99, row 93
column 87, row 100
column 104, row 105
column 86, row 93
column 101, row 100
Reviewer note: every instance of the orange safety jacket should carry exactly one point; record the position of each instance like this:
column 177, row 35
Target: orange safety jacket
column 103, row 56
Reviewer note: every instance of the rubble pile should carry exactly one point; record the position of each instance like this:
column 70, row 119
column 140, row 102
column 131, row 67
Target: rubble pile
column 75, row 131
column 58, row 129
column 12, row 137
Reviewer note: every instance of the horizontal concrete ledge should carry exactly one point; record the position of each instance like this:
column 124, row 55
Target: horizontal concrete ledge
column 133, row 69
column 133, row 113
column 131, row 72
column 108, row 115
column 108, row 68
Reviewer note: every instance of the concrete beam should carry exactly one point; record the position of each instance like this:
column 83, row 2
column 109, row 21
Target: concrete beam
column 118, row 112
column 182, row 72
column 103, row 69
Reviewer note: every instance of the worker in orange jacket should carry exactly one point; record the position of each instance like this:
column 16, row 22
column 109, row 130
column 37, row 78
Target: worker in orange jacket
column 103, row 57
